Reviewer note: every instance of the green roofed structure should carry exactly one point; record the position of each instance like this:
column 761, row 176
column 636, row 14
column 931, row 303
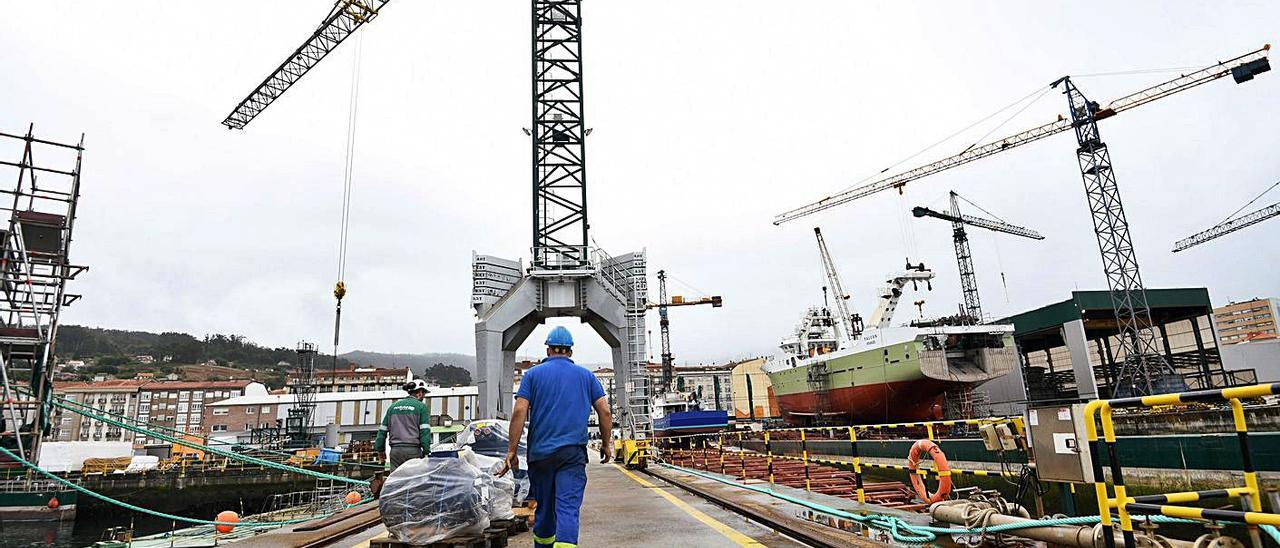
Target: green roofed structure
column 1069, row 350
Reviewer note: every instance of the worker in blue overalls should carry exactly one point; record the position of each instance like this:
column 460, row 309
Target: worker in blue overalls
column 557, row 396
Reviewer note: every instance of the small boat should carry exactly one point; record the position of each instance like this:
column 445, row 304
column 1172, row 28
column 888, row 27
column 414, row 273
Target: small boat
column 36, row 500
column 678, row 414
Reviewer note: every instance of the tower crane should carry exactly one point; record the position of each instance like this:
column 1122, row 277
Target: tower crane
column 563, row 269
column 964, row 259
column 1232, row 224
column 848, row 325
column 1144, row 371
column 343, row 20
column 664, row 324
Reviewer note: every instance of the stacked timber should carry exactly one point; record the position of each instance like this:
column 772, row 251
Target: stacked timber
column 750, row 467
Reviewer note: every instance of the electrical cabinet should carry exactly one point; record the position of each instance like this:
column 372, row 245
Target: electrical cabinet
column 1058, row 443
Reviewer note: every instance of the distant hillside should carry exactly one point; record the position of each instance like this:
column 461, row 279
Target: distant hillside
column 416, row 362
column 117, row 347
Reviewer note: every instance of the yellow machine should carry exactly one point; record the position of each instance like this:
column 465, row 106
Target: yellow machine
column 634, row 454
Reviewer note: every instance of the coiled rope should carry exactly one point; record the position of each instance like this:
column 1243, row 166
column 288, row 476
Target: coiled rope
column 214, row 450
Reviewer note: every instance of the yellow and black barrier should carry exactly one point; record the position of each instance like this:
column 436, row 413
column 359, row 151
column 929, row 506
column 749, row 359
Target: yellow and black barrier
column 1165, row 504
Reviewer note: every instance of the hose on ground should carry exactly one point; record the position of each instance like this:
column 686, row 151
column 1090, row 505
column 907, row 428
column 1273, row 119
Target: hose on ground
column 909, row 533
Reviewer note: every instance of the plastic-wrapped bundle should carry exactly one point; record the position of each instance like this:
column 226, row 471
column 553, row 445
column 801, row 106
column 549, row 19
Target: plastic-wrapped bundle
column 433, row 499
column 489, row 437
column 502, row 489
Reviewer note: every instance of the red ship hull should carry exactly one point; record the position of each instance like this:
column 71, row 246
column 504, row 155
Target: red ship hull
column 907, row 401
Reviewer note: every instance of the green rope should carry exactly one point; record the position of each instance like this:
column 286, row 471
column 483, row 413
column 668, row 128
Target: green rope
column 920, row 534
column 216, row 451
column 206, row 439
column 148, row 511
column 1272, row 532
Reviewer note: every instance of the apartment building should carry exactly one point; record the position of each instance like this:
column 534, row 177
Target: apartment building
column 179, row 405
column 357, row 414
column 1248, row 320
column 118, row 396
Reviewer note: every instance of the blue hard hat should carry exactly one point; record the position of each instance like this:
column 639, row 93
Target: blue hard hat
column 560, row 337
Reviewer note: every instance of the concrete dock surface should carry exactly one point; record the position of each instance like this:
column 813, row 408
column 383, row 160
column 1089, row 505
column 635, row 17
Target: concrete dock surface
column 626, row 508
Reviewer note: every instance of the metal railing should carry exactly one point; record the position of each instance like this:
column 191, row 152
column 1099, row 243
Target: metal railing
column 1168, row 504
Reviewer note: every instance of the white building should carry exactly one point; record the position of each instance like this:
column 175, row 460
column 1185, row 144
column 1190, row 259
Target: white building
column 356, row 414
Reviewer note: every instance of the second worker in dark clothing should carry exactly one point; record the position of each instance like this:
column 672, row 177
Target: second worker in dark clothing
column 406, row 427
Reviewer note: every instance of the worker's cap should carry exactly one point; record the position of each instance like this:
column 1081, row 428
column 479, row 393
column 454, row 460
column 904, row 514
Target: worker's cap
column 560, row 336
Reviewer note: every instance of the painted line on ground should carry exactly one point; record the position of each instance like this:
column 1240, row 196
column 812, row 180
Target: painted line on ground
column 739, row 538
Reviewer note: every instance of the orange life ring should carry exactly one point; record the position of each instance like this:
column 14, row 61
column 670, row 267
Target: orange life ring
column 940, row 465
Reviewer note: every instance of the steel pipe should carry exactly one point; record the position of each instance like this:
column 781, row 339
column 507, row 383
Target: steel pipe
column 1078, row 536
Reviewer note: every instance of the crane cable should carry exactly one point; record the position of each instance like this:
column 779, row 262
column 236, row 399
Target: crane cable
column 1255, row 198
column 353, row 100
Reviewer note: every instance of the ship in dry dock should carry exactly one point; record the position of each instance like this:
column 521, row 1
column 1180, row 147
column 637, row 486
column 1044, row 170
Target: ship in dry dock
column 883, row 373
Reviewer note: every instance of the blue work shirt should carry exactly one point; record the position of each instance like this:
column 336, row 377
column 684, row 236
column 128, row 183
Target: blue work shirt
column 560, row 395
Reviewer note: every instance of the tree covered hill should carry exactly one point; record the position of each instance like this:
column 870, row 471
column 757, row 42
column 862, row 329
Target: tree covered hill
column 119, row 346
column 114, row 351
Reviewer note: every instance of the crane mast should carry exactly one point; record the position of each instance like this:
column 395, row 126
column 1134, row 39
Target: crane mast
column 850, row 325
column 1144, row 371
column 559, row 146
column 664, row 324
column 964, row 258
column 664, row 327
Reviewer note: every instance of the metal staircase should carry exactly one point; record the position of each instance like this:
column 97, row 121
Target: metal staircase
column 626, row 278
column 639, row 393
column 819, row 382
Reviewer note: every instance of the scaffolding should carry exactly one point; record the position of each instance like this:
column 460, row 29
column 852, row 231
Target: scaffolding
column 303, row 385
column 34, row 271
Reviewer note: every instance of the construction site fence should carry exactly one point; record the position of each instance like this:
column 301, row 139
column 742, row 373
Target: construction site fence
column 1114, row 497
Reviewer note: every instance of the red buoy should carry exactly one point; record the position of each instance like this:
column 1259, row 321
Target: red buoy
column 54, row 504
column 354, row 498
column 225, row 519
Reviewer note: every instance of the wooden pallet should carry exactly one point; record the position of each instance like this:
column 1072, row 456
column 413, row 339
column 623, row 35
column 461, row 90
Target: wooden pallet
column 495, row 536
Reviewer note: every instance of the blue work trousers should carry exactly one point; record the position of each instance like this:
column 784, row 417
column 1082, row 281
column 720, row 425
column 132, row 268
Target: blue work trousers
column 558, row 483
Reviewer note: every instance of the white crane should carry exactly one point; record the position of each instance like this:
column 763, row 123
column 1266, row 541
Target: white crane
column 848, row 326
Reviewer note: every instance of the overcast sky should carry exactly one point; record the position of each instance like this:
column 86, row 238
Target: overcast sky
column 709, row 117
